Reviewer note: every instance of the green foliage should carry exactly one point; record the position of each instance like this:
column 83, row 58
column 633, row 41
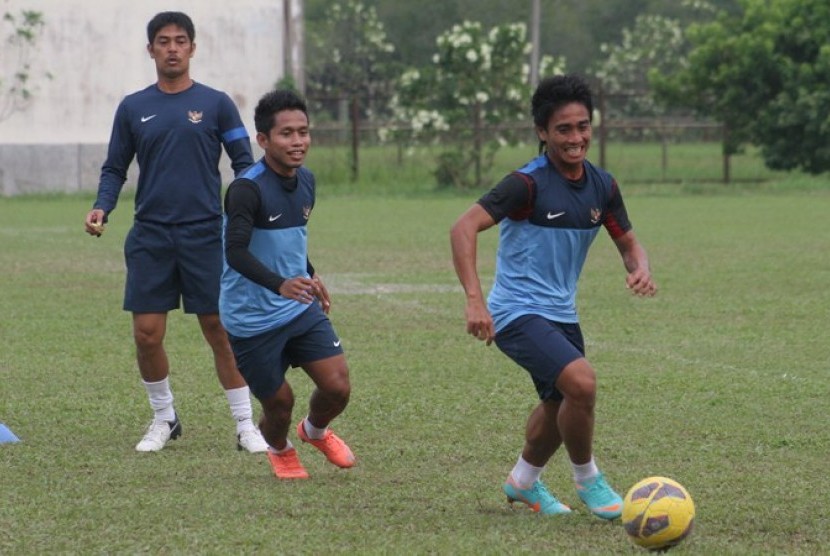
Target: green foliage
column 799, row 114
column 22, row 33
column 389, row 171
column 287, row 83
column 719, row 382
column 763, row 74
column 477, row 81
column 654, row 43
column 573, row 29
column 349, row 52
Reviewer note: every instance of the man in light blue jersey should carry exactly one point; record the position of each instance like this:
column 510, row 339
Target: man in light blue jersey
column 176, row 128
column 272, row 303
column 549, row 212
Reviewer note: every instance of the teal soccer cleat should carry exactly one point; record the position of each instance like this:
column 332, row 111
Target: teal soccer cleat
column 599, row 497
column 537, row 498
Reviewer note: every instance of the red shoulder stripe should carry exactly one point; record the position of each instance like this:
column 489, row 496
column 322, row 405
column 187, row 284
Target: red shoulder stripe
column 525, row 212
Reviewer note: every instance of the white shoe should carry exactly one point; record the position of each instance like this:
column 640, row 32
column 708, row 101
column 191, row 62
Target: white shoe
column 251, row 440
column 157, row 435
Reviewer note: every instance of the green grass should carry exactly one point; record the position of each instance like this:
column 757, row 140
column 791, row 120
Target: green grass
column 689, row 168
column 719, row 382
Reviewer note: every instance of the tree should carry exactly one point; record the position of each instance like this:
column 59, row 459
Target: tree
column 478, row 80
column 22, row 32
column 763, row 73
column 573, row 29
column 799, row 114
column 654, row 42
column 350, row 60
column 350, row 51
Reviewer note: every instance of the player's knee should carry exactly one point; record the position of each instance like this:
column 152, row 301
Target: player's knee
column 338, row 388
column 585, row 392
column 340, row 393
column 578, row 382
column 147, row 338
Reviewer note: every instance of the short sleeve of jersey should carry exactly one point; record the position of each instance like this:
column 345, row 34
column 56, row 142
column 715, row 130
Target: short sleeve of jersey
column 512, row 197
column 616, row 217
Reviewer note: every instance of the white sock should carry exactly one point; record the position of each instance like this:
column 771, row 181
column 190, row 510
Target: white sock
column 585, row 471
column 288, row 446
column 239, row 400
column 312, row 431
column 524, row 474
column 161, row 399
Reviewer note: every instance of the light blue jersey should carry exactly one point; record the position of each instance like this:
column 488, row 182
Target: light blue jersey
column 278, row 241
column 543, row 248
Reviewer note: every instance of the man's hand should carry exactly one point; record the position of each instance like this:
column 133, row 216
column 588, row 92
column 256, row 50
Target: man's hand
column 640, row 283
column 479, row 321
column 299, row 289
column 321, row 293
column 94, row 223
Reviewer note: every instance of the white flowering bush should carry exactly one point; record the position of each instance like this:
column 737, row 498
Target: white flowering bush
column 655, row 43
column 653, row 47
column 478, row 81
column 350, row 52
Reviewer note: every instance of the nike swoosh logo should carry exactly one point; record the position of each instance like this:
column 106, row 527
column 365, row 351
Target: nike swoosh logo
column 337, row 344
column 551, row 216
column 272, row 218
column 535, row 506
column 147, row 118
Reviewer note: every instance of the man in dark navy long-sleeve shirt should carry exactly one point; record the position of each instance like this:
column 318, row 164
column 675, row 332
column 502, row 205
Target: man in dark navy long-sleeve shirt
column 176, row 128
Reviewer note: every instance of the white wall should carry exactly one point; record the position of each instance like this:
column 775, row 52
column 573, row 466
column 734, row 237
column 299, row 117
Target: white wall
column 96, row 53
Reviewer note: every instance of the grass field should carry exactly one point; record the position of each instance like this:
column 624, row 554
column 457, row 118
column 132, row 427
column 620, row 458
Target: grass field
column 719, row 382
column 689, row 167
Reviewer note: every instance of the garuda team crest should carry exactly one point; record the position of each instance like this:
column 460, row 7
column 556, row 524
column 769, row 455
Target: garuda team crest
column 194, row 116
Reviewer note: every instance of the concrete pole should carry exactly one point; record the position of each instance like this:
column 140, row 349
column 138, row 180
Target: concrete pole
column 287, row 39
column 299, row 44
column 294, row 42
column 535, row 17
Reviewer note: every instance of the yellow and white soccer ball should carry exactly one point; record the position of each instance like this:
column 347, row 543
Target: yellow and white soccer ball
column 658, row 513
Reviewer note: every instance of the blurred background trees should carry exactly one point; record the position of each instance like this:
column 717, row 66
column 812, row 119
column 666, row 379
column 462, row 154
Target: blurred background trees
column 763, row 73
column 475, row 83
column 753, row 70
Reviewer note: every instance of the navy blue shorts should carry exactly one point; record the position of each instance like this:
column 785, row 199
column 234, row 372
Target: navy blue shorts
column 263, row 359
column 171, row 262
column 543, row 348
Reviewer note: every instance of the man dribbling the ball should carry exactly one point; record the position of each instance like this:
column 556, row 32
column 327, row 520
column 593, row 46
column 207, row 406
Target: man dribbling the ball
column 549, row 212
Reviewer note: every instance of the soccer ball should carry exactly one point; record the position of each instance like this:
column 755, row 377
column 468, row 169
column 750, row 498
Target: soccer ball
column 658, row 513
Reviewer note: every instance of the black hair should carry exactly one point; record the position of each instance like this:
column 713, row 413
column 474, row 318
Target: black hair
column 273, row 102
column 163, row 19
column 557, row 91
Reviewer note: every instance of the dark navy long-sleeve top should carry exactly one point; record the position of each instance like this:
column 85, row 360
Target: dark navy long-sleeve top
column 177, row 139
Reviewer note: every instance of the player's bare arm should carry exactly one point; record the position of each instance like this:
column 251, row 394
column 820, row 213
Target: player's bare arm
column 463, row 239
column 635, row 259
